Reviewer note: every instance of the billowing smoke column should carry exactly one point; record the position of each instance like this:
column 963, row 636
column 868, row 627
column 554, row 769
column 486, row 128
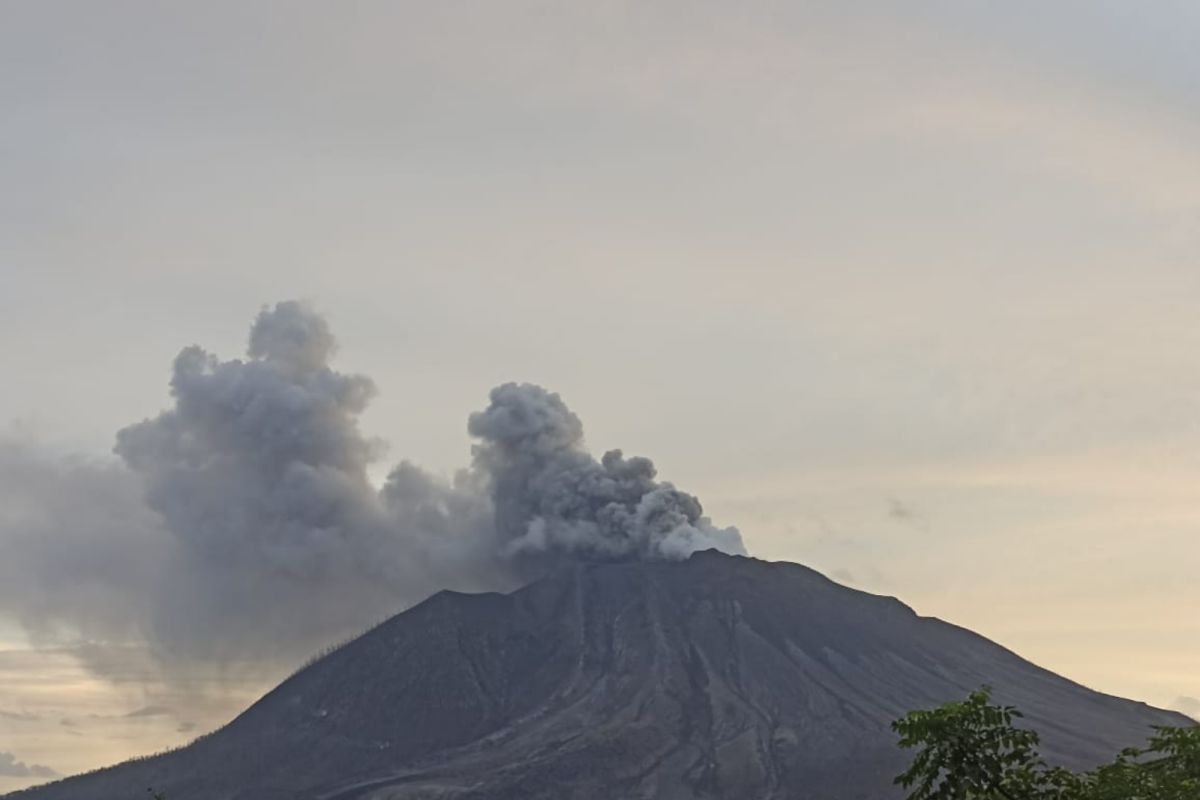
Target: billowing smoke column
column 551, row 496
column 259, row 474
column 262, row 455
column 243, row 524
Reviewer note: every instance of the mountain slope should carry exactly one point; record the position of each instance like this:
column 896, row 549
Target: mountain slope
column 715, row 677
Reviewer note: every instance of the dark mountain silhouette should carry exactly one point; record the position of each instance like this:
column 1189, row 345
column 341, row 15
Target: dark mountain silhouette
column 714, row 677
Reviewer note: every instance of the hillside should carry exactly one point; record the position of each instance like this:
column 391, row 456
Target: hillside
column 714, row 677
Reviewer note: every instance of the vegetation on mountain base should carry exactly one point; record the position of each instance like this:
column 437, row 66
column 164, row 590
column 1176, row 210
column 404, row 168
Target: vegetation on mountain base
column 973, row 750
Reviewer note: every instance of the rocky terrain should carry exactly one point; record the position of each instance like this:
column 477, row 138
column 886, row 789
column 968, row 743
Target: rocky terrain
column 715, row 677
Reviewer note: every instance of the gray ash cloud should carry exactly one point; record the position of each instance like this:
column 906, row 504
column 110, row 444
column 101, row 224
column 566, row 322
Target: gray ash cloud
column 550, row 495
column 240, row 524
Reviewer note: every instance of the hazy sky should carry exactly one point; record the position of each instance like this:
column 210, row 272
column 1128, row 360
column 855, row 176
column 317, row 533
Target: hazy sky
column 908, row 292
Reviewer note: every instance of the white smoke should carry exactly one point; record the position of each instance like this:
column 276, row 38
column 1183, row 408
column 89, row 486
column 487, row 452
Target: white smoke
column 241, row 525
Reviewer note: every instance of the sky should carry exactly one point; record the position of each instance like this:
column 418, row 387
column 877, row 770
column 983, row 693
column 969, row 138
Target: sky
column 907, row 292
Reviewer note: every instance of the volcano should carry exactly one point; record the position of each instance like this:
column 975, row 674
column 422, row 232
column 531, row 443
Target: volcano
column 713, row 677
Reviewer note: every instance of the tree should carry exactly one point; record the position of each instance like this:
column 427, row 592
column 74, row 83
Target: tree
column 973, row 750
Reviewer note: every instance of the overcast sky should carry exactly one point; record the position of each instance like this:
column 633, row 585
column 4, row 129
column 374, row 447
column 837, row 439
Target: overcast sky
column 908, row 292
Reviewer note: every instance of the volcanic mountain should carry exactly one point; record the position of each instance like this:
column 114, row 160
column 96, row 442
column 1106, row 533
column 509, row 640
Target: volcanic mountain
column 714, row 677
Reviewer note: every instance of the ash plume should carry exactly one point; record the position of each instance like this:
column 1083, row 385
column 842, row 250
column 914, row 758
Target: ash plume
column 240, row 526
column 550, row 495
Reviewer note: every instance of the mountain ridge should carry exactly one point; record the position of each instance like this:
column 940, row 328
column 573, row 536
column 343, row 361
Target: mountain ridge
column 713, row 677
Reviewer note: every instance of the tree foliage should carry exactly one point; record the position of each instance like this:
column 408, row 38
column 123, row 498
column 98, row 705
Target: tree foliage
column 973, row 750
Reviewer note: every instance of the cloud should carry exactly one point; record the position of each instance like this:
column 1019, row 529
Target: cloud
column 240, row 527
column 82, row 552
column 1187, row 705
column 551, row 496
column 149, row 711
column 259, row 475
column 10, row 767
column 19, row 716
column 903, row 514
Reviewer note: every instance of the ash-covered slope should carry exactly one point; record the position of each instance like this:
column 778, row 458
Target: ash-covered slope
column 715, row 677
